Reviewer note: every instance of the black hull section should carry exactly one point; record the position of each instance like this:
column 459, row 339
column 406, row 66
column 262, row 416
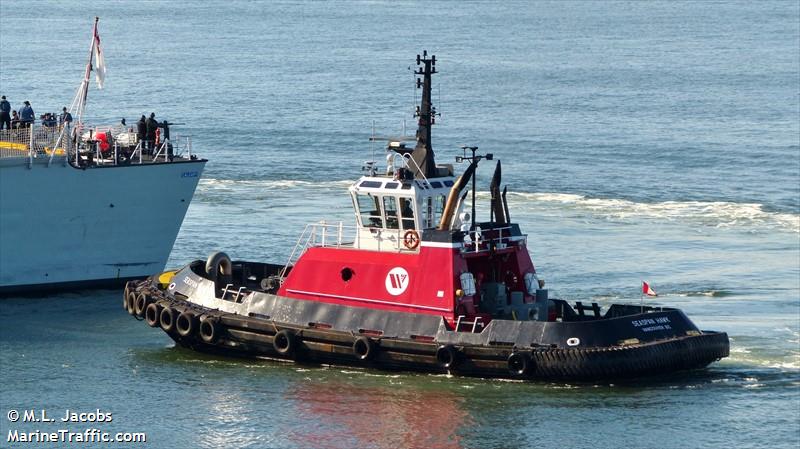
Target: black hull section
column 210, row 330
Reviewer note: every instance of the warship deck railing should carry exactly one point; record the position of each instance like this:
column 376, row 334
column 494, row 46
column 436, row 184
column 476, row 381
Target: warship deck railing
column 39, row 143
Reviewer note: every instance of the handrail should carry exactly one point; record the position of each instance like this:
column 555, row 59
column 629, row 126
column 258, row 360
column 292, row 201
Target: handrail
column 480, row 241
column 405, row 158
column 45, row 144
column 325, row 235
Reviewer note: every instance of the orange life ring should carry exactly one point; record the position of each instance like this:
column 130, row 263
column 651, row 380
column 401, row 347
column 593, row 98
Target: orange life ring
column 411, row 239
column 158, row 136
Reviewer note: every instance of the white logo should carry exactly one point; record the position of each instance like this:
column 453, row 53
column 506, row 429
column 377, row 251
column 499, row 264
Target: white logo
column 396, row 281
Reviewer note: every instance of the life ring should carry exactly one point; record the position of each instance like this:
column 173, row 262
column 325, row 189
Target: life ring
column 151, row 314
column 185, row 324
column 447, row 356
column 209, row 329
column 284, row 342
column 158, row 136
column 167, row 319
column 411, row 239
column 364, row 348
column 518, row 363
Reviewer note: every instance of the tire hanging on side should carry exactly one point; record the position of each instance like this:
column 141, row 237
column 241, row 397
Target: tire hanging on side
column 364, row 348
column 185, row 324
column 284, row 342
column 152, row 314
column 209, row 329
column 447, row 356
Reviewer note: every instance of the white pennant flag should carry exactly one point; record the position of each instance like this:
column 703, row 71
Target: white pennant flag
column 100, row 62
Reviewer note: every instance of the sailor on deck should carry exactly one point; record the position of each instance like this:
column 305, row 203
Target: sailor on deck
column 65, row 118
column 26, row 115
column 152, row 126
column 141, row 130
column 5, row 113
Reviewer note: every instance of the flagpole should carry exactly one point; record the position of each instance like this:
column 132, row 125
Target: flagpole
column 87, row 74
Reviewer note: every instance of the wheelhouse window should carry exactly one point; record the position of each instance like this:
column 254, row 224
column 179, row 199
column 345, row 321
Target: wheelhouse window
column 390, row 208
column 432, row 210
column 370, row 211
column 407, row 212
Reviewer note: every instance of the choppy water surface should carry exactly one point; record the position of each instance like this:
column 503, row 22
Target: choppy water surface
column 656, row 141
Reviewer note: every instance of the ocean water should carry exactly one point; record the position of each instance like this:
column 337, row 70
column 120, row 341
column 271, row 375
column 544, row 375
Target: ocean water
column 639, row 140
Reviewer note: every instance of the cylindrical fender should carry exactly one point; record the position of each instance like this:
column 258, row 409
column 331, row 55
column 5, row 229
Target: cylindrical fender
column 284, row 342
column 364, row 348
column 185, row 324
column 167, row 319
column 519, row 363
column 209, row 329
column 130, row 302
column 140, row 304
column 219, row 269
column 152, row 314
column 447, row 356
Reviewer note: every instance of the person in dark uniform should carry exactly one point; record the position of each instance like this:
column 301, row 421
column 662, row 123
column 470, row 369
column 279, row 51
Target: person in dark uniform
column 26, row 115
column 5, row 114
column 152, row 126
column 141, row 130
column 66, row 117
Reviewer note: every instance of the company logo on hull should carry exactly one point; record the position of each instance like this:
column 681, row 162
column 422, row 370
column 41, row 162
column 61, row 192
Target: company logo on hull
column 396, row 281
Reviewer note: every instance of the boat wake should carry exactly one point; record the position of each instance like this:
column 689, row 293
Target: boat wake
column 719, row 214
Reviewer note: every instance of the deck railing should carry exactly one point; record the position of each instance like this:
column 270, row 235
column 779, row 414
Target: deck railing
column 35, row 142
column 480, row 240
column 339, row 235
column 39, row 143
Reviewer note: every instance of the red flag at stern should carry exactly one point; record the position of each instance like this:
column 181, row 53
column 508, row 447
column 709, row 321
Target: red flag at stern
column 647, row 290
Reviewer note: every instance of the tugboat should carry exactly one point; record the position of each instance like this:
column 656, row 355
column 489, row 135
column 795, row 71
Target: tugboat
column 416, row 285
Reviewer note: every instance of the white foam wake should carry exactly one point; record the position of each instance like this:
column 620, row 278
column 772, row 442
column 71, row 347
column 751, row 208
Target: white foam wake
column 211, row 183
column 717, row 213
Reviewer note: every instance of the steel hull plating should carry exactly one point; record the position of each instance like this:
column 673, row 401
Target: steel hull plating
column 266, row 325
column 66, row 227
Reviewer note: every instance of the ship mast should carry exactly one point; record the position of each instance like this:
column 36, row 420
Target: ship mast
column 79, row 102
column 425, row 165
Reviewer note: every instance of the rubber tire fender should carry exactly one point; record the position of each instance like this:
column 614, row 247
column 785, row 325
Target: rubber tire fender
column 364, row 348
column 209, row 329
column 219, row 269
column 167, row 319
column 130, row 302
column 519, row 363
column 140, row 304
column 125, row 297
column 152, row 314
column 284, row 342
column 447, row 356
column 186, row 324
